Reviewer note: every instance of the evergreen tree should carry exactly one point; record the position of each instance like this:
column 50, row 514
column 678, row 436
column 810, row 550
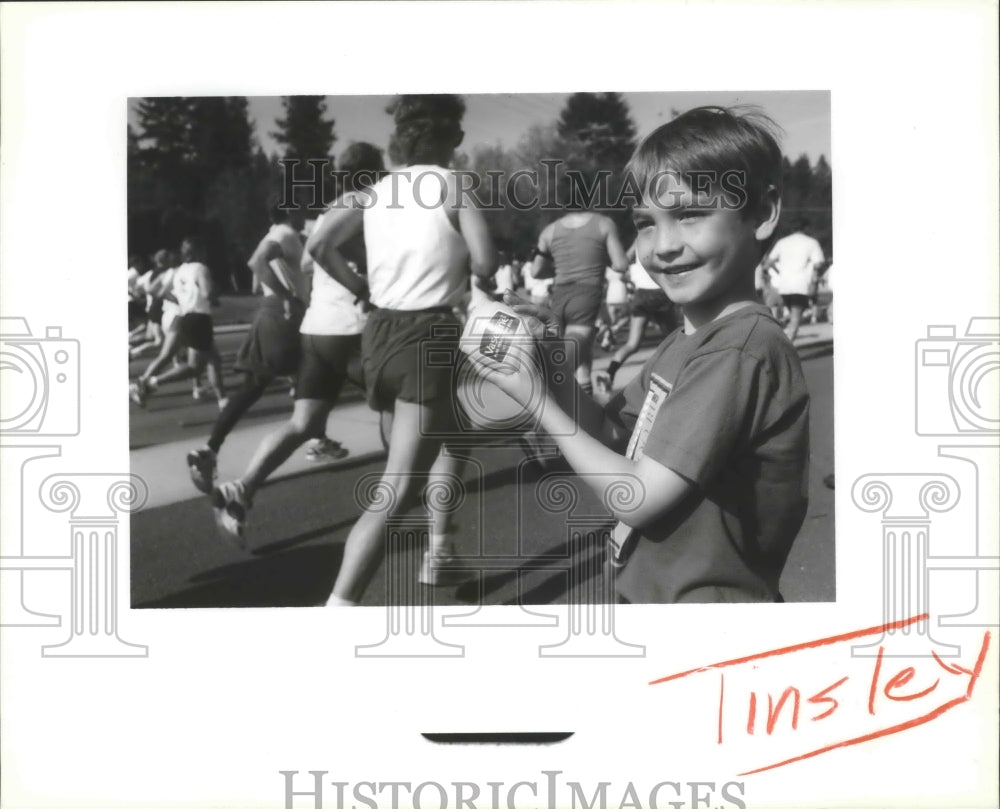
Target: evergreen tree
column 807, row 194
column 190, row 164
column 305, row 131
column 602, row 125
column 598, row 138
column 307, row 134
column 163, row 130
column 221, row 134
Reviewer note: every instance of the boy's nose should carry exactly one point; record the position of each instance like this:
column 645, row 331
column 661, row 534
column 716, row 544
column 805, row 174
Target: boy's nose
column 668, row 244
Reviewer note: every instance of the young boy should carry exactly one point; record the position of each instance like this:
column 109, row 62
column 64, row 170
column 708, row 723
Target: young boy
column 713, row 435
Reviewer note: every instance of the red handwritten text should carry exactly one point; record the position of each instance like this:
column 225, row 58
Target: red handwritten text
column 800, row 701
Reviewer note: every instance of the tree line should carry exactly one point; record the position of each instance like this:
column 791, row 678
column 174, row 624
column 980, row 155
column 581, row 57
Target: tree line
column 195, row 166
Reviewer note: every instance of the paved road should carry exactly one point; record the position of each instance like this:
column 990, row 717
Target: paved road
column 300, row 520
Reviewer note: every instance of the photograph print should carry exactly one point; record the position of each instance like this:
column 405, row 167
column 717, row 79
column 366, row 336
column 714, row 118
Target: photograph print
column 512, row 349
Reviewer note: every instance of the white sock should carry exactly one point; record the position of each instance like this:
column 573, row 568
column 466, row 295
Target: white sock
column 442, row 545
column 153, row 382
column 337, row 601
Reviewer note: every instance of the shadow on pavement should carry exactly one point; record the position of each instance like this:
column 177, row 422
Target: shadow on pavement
column 298, row 578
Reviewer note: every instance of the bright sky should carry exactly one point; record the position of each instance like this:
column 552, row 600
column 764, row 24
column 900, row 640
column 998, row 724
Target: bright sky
column 804, row 115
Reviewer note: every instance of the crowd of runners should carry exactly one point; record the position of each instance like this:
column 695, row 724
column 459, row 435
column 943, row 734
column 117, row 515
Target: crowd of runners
column 352, row 296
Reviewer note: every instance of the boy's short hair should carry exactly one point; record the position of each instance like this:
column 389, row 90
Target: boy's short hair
column 277, row 214
column 716, row 141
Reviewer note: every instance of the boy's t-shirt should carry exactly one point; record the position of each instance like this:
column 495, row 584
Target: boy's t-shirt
column 726, row 408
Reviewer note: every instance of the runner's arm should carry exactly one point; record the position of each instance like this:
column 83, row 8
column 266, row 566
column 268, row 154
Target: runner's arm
column 163, row 289
column 260, row 265
column 542, row 266
column 472, row 226
column 204, row 281
column 619, row 261
column 337, row 226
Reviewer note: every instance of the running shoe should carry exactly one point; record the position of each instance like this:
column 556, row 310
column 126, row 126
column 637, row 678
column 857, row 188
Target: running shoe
column 138, row 391
column 440, row 571
column 231, row 504
column 326, row 449
column 201, row 465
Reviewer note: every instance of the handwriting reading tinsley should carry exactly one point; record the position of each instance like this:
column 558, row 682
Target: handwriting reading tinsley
column 793, row 703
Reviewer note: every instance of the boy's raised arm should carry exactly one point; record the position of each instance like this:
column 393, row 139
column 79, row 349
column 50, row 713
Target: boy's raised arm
column 659, row 488
column 589, row 416
column 581, row 432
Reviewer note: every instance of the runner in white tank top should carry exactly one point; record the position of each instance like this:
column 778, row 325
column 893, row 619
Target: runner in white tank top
column 421, row 237
column 416, row 260
column 155, row 284
column 329, row 356
column 190, row 293
column 192, row 289
column 271, row 347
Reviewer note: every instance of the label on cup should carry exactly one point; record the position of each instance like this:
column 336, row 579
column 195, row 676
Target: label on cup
column 495, row 342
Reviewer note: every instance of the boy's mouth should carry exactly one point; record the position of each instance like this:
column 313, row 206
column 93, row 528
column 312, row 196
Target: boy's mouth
column 679, row 269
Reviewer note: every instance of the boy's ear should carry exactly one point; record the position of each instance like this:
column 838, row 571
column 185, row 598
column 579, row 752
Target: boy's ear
column 769, row 214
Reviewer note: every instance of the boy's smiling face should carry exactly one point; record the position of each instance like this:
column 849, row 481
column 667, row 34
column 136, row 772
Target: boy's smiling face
column 700, row 253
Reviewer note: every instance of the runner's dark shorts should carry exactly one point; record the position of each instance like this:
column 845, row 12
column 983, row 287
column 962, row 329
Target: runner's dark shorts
column 653, row 304
column 327, row 362
column 271, row 347
column 195, row 331
column 136, row 309
column 410, row 356
column 796, row 300
column 576, row 304
column 155, row 313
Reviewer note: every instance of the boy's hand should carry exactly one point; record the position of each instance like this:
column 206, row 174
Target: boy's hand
column 540, row 321
column 518, row 374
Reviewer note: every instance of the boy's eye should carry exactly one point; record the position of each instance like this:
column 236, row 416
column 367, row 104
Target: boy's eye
column 640, row 222
column 692, row 214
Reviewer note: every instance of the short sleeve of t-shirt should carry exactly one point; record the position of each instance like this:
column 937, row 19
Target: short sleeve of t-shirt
column 704, row 415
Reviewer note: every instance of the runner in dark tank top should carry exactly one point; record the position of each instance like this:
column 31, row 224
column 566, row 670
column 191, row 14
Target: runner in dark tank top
column 580, row 254
column 575, row 250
